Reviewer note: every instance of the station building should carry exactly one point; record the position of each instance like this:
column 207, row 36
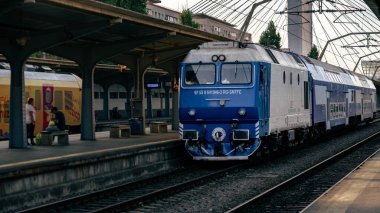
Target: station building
column 206, row 23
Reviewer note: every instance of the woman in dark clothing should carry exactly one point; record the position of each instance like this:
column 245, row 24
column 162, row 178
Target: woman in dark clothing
column 59, row 118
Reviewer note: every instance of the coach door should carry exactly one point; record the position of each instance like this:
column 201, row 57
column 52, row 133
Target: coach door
column 264, row 89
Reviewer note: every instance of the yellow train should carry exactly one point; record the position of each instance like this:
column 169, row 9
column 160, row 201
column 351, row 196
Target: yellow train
column 48, row 90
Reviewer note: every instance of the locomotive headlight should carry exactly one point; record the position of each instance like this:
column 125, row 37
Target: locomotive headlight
column 191, row 112
column 242, row 112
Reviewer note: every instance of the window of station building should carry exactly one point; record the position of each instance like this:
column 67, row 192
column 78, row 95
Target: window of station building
column 216, row 29
column 232, row 35
column 155, row 95
column 149, row 12
column 58, row 99
column 237, row 73
column 122, row 95
column 37, row 99
column 200, row 74
column 274, row 59
column 68, row 100
column 114, row 95
column 96, row 95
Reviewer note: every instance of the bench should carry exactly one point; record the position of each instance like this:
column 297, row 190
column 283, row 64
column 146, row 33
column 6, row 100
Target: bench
column 47, row 138
column 118, row 131
column 158, row 127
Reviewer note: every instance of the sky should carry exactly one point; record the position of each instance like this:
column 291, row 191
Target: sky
column 179, row 4
column 326, row 26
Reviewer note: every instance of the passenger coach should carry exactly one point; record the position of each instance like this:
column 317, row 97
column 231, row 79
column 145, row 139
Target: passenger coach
column 47, row 89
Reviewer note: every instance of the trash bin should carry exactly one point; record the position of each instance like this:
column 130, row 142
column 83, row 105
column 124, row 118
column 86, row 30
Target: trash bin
column 136, row 126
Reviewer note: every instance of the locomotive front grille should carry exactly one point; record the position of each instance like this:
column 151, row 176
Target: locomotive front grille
column 241, row 134
column 190, row 135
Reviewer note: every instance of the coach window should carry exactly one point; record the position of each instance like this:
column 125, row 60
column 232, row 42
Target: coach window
column 237, row 73
column 37, row 101
column 199, row 74
column 58, row 99
column 68, row 100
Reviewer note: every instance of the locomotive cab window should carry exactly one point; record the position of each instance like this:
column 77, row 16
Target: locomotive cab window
column 237, row 73
column 199, row 74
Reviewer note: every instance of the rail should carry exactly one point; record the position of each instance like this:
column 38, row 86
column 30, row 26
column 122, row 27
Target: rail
column 244, row 206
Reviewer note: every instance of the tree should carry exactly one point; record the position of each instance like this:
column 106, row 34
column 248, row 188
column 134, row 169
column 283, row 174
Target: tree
column 135, row 5
column 186, row 18
column 313, row 52
column 270, row 37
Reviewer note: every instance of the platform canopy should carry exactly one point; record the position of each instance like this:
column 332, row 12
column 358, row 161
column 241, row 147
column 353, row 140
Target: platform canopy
column 92, row 24
column 375, row 6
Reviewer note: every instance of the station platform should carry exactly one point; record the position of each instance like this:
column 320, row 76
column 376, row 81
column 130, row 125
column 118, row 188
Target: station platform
column 357, row 192
column 102, row 144
column 41, row 174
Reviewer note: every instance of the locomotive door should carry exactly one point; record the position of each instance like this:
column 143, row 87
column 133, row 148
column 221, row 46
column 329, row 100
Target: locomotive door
column 264, row 90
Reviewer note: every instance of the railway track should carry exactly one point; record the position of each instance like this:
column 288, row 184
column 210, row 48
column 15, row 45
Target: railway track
column 297, row 192
column 146, row 192
column 123, row 197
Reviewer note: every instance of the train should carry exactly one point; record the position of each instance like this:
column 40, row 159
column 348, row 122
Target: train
column 238, row 99
column 48, row 89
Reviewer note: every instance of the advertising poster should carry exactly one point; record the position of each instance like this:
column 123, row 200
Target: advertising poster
column 48, row 91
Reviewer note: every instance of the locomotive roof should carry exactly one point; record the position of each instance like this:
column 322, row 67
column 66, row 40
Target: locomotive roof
column 42, row 76
column 236, row 51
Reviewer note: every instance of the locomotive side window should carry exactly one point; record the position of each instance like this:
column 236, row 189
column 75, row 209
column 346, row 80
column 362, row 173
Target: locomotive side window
column 298, row 79
column 284, row 77
column 200, row 74
column 291, row 78
column 236, row 73
column 306, row 94
column 37, row 101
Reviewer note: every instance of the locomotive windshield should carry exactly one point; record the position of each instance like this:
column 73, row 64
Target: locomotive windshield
column 198, row 74
column 236, row 73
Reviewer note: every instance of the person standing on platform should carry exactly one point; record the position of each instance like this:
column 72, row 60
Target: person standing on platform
column 30, row 120
column 59, row 118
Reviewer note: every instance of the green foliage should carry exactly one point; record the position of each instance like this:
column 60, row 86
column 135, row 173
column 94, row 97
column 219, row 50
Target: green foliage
column 270, row 37
column 313, row 52
column 186, row 18
column 135, row 5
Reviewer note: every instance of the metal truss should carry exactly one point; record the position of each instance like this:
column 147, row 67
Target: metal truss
column 320, row 8
column 367, row 40
column 340, row 37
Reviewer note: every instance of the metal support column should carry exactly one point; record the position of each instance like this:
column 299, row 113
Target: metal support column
column 148, row 103
column 17, row 125
column 106, row 110
column 87, row 115
column 167, row 103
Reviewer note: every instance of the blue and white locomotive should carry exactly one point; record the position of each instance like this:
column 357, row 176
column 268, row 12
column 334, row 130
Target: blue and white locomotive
column 236, row 98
